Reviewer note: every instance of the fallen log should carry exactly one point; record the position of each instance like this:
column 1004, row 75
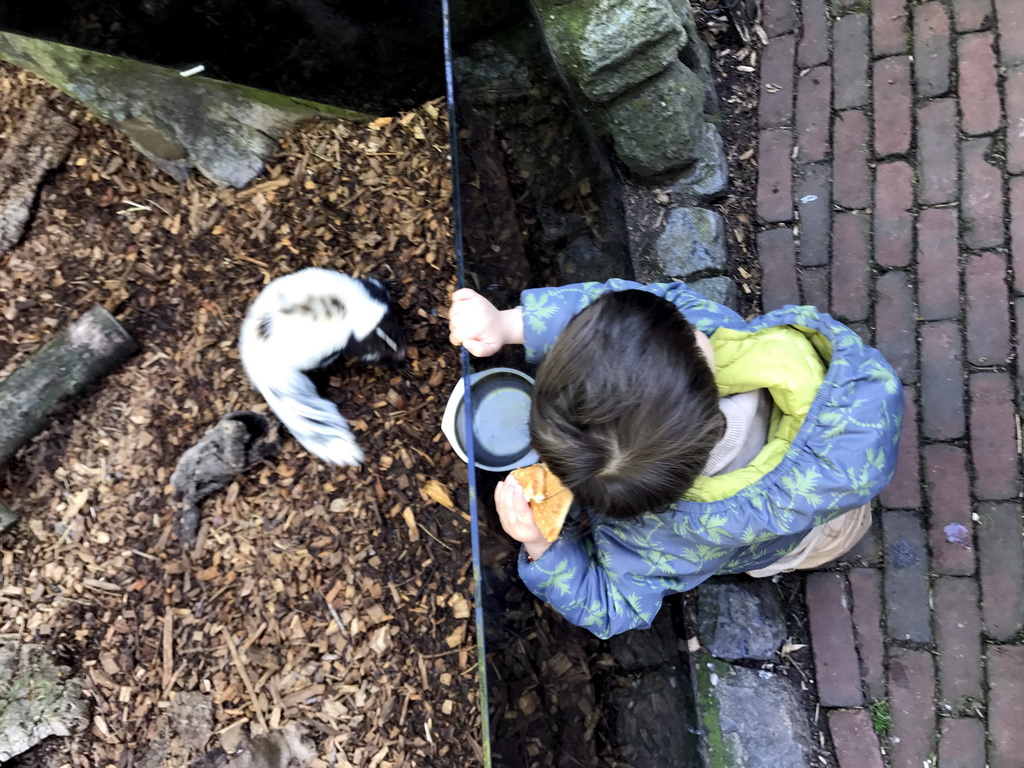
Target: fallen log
column 40, row 143
column 75, row 358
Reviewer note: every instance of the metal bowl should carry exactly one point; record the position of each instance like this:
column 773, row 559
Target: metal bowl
column 501, row 419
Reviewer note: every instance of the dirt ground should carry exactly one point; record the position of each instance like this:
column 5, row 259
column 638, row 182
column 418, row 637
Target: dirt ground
column 336, row 599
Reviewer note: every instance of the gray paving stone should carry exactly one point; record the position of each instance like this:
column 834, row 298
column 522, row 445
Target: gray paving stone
column 908, row 611
column 741, row 620
column 761, row 722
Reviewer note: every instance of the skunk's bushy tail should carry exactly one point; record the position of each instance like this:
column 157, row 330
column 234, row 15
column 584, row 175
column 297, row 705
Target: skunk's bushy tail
column 312, row 420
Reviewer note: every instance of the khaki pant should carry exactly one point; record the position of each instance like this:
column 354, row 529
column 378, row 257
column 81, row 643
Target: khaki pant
column 823, row 544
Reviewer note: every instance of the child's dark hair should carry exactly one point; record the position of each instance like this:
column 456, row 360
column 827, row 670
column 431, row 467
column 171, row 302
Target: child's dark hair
column 625, row 408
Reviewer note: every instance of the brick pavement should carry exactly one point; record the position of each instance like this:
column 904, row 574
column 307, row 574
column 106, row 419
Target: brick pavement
column 891, row 193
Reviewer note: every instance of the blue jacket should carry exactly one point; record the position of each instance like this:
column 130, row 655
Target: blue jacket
column 841, row 453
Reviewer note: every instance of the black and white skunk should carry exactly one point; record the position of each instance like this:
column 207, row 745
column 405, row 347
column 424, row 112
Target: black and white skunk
column 307, row 320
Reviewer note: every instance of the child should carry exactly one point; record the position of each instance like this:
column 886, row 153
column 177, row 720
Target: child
column 698, row 443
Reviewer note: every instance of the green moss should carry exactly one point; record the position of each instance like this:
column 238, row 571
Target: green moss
column 718, row 752
column 881, row 717
column 860, row 6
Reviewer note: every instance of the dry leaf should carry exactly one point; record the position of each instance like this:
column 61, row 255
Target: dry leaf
column 437, row 492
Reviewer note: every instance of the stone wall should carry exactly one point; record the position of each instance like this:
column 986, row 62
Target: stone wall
column 642, row 74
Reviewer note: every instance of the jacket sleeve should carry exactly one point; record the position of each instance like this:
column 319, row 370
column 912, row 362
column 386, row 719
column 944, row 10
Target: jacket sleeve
column 573, row 581
column 547, row 311
column 614, row 576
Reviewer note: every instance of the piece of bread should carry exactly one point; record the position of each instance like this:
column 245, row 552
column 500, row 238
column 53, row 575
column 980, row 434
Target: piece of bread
column 549, row 499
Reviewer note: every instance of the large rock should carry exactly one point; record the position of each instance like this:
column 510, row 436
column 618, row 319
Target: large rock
column 608, row 46
column 223, row 130
column 719, row 289
column 751, row 719
column 740, row 620
column 693, row 242
column 709, row 177
column 656, row 126
column 38, row 699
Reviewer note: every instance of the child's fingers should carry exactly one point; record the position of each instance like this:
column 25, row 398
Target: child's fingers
column 463, row 294
column 478, row 348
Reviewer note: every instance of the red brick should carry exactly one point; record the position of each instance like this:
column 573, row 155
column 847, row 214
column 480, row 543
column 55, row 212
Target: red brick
column 850, row 271
column 888, row 27
column 958, row 635
column 912, row 705
column 814, row 288
column 982, row 197
column 776, row 107
column 895, row 323
column 951, row 528
column 856, row 741
column 1001, row 562
column 938, row 268
column 1017, row 233
column 813, row 113
column 993, row 437
column 937, row 152
column 942, row 381
column 776, row 252
column 978, row 83
column 988, row 310
column 907, row 607
column 894, row 222
column 850, row 58
column 779, row 17
column 962, row 743
column 775, row 176
column 1010, row 22
column 851, row 170
column 893, row 100
column 1006, row 706
column 1014, row 89
column 835, row 653
column 904, row 492
column 814, row 37
column 972, row 15
column 866, row 591
column 931, row 49
column 814, row 204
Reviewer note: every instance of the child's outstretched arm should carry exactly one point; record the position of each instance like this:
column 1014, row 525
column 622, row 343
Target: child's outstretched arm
column 479, row 326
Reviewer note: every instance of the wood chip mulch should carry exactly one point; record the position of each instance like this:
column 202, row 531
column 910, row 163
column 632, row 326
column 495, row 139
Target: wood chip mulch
column 339, row 599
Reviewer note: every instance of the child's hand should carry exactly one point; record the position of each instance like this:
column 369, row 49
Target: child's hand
column 479, row 326
column 517, row 517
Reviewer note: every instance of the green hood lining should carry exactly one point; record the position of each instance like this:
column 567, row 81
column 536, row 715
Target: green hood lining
column 790, row 362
